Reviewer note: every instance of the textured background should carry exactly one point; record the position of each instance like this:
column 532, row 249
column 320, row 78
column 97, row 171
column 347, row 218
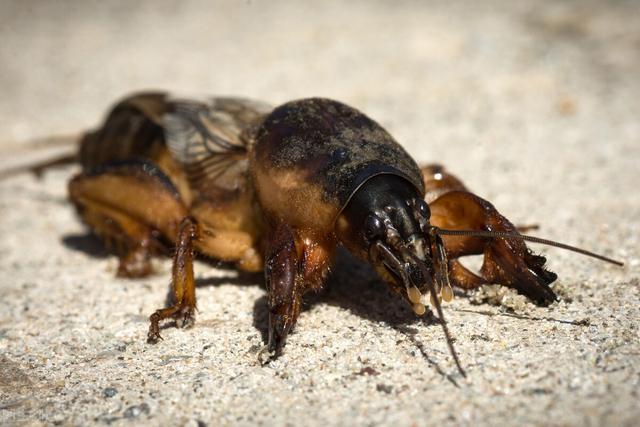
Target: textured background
column 534, row 105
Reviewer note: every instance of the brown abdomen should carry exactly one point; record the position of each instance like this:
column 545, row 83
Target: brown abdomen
column 132, row 131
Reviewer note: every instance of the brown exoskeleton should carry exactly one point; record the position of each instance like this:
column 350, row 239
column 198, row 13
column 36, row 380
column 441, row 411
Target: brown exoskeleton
column 278, row 190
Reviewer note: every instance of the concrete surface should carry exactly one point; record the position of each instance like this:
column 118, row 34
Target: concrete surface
column 536, row 106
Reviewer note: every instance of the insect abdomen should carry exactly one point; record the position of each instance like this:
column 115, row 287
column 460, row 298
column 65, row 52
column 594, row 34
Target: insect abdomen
column 131, row 130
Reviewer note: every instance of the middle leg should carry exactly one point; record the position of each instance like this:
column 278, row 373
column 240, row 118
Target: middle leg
column 182, row 284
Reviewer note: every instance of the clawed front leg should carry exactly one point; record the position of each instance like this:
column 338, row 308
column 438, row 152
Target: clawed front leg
column 182, row 283
column 507, row 261
column 284, row 287
column 294, row 263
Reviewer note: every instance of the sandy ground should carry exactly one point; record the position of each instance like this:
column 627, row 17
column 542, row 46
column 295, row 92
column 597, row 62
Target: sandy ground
column 534, row 106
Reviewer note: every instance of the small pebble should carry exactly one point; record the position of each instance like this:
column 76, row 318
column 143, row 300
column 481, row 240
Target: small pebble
column 384, row 388
column 136, row 410
column 109, row 392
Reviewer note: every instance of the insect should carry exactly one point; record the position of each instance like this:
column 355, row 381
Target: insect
column 277, row 190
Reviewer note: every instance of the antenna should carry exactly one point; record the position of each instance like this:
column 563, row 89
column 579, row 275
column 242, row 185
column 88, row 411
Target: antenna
column 506, row 234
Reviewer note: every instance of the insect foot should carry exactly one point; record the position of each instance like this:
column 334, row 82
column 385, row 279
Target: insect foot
column 266, row 355
column 182, row 284
column 153, row 336
column 184, row 317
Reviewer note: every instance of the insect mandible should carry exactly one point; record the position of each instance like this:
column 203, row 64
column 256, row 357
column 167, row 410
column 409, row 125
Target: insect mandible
column 278, row 190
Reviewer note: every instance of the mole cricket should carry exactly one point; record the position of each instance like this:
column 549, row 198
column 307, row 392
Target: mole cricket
column 277, row 190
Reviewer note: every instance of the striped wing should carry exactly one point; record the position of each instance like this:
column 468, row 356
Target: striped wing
column 210, row 139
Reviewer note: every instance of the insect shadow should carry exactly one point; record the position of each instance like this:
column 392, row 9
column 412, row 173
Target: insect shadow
column 88, row 243
column 352, row 285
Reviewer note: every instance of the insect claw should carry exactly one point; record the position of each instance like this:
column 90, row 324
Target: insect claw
column 154, row 329
column 266, row 355
column 185, row 318
column 153, row 337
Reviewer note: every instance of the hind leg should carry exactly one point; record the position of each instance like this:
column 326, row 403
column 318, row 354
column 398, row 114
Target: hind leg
column 135, row 204
column 136, row 241
column 508, row 262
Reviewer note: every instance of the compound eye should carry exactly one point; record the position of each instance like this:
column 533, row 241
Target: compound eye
column 373, row 228
column 423, row 209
